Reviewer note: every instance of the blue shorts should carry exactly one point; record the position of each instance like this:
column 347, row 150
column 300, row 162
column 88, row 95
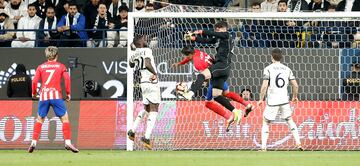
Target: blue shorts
column 209, row 95
column 57, row 105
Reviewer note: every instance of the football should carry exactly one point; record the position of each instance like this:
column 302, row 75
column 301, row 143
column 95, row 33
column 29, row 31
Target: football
column 181, row 87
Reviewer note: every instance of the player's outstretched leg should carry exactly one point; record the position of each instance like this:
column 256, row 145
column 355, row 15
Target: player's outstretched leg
column 196, row 86
column 226, row 103
column 218, row 109
column 36, row 134
column 264, row 134
column 294, row 132
column 138, row 119
column 236, row 97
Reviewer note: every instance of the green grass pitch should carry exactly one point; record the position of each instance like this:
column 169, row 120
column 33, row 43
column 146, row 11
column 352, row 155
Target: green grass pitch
column 177, row 158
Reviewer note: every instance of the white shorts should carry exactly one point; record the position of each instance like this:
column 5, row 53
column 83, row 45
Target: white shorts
column 150, row 93
column 271, row 112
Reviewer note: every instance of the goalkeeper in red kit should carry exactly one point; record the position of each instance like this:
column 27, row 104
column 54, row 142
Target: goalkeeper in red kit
column 201, row 62
column 50, row 73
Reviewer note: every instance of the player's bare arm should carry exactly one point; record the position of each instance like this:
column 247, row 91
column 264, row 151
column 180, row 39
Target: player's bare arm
column 295, row 90
column 183, row 62
column 150, row 68
column 263, row 89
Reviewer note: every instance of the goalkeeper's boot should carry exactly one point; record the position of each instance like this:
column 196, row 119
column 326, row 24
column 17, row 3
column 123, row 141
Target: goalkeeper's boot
column 248, row 109
column 31, row 148
column 188, row 95
column 229, row 122
column 131, row 135
column 299, row 147
column 238, row 115
column 72, row 148
column 146, row 143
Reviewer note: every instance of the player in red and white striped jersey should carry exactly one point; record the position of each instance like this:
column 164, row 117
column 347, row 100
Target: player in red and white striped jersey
column 50, row 73
column 201, row 63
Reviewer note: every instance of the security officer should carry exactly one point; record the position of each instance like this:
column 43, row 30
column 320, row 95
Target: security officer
column 351, row 83
column 19, row 85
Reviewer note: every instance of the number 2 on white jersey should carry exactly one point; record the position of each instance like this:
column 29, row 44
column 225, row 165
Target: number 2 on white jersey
column 50, row 76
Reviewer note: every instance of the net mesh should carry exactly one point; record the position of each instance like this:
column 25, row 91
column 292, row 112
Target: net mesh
column 321, row 52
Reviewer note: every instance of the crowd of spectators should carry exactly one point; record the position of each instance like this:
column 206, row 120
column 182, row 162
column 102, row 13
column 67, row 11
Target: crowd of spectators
column 63, row 23
column 103, row 23
column 302, row 33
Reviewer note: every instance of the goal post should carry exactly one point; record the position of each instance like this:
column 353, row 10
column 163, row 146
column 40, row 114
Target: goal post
column 319, row 60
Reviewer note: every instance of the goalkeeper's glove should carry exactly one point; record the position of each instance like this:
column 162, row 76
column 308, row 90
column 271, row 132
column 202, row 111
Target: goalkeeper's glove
column 188, row 36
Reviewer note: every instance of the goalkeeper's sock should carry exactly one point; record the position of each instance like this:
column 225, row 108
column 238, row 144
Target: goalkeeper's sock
column 236, row 97
column 195, row 86
column 264, row 135
column 36, row 133
column 294, row 131
column 224, row 102
column 67, row 133
column 150, row 124
column 218, row 109
column 138, row 119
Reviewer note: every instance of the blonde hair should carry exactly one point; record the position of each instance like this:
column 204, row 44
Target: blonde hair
column 51, row 52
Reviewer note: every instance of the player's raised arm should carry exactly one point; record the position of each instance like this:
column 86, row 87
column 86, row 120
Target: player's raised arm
column 220, row 35
column 188, row 52
column 182, row 62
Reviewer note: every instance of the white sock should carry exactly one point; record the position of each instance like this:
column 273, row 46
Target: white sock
column 294, row 131
column 67, row 142
column 33, row 142
column 150, row 124
column 138, row 119
column 264, row 135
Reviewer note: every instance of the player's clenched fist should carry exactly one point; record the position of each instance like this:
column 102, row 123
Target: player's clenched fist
column 153, row 78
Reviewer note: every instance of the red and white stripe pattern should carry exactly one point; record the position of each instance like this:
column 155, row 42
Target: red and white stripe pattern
column 50, row 95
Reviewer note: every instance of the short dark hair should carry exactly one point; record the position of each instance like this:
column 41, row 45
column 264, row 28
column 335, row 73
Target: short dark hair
column 276, row 54
column 101, row 3
column 332, row 7
column 255, row 4
column 123, row 7
column 187, row 50
column 73, row 4
column 50, row 7
column 137, row 40
column 251, row 95
column 221, row 24
column 283, row 1
column 31, row 5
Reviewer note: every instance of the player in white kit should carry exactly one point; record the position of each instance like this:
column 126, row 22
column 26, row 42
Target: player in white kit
column 143, row 61
column 275, row 84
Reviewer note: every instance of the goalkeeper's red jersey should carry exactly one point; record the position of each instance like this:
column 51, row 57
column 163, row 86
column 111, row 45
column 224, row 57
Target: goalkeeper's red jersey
column 201, row 60
column 50, row 74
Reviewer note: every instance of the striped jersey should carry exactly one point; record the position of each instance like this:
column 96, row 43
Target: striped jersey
column 201, row 60
column 50, row 74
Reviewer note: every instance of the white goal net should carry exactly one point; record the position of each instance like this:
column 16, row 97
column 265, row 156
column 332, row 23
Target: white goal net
column 320, row 48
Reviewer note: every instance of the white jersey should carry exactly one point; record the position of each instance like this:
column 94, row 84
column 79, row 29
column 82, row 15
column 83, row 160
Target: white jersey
column 139, row 56
column 279, row 76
